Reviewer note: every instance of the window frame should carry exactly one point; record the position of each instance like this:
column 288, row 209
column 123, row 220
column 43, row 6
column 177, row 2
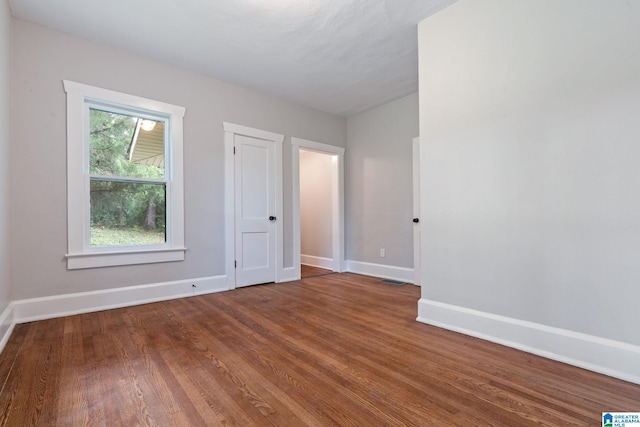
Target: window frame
column 80, row 98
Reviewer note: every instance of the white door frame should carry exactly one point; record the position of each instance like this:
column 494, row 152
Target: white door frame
column 337, row 196
column 230, row 130
column 416, row 212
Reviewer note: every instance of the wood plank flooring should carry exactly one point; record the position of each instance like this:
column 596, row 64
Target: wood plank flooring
column 311, row 271
column 340, row 349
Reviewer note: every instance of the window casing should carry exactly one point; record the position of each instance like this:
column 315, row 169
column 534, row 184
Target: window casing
column 83, row 101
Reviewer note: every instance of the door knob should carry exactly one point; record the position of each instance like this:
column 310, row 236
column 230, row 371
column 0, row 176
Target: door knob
column 272, row 218
column 416, row 220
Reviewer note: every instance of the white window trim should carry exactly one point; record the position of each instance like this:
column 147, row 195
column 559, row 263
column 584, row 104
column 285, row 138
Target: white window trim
column 80, row 255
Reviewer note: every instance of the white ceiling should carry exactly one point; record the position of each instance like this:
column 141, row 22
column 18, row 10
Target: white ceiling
column 338, row 56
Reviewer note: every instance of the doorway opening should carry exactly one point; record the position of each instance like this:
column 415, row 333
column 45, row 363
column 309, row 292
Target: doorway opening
column 316, row 235
column 318, row 205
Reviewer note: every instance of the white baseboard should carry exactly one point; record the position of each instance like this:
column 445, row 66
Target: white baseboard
column 28, row 310
column 6, row 325
column 316, row 261
column 613, row 358
column 379, row 270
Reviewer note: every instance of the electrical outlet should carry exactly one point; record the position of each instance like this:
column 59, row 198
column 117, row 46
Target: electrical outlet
column 383, row 252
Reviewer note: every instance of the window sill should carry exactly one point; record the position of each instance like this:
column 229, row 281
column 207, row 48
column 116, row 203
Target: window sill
column 110, row 259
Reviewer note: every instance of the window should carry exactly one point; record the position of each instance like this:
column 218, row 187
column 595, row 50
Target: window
column 124, row 179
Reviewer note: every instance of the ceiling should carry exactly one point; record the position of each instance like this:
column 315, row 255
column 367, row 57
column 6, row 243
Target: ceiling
column 337, row 56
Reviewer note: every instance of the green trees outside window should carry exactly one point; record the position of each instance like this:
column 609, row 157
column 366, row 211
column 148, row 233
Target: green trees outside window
column 127, row 179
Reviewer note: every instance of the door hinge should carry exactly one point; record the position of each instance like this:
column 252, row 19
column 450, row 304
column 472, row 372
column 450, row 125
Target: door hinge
column 235, row 264
column 234, row 150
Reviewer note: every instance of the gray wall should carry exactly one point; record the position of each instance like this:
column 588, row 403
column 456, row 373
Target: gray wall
column 42, row 58
column 379, row 183
column 316, row 225
column 530, row 180
column 5, row 157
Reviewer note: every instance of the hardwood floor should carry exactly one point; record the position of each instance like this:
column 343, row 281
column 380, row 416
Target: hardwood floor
column 340, row 349
column 310, row 271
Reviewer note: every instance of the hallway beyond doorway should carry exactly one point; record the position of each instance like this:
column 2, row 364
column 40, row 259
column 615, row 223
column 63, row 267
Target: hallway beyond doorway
column 310, row 271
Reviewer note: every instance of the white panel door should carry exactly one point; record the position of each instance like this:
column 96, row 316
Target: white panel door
column 255, row 210
column 416, row 213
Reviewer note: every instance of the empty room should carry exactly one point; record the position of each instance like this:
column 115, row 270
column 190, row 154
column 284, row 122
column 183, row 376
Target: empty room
column 315, row 213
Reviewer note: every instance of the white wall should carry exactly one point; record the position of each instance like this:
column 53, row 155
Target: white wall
column 529, row 119
column 316, row 225
column 42, row 59
column 379, row 183
column 5, row 162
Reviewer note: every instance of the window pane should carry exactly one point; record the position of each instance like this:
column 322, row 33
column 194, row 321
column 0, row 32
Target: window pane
column 127, row 213
column 123, row 145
